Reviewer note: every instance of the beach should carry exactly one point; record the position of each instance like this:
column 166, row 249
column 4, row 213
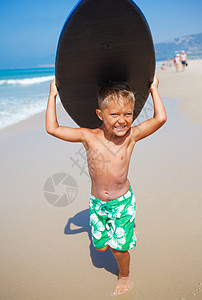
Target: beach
column 46, row 250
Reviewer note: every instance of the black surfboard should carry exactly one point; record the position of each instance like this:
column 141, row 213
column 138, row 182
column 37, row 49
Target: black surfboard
column 101, row 41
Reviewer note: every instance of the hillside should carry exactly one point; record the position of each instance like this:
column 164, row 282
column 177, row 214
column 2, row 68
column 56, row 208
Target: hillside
column 191, row 44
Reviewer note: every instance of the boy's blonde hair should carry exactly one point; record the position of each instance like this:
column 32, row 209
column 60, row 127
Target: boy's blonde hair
column 114, row 91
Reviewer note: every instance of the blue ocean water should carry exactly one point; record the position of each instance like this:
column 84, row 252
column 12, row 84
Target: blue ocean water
column 23, row 93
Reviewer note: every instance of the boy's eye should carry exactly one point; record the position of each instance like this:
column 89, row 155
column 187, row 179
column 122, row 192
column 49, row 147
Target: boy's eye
column 113, row 114
column 129, row 114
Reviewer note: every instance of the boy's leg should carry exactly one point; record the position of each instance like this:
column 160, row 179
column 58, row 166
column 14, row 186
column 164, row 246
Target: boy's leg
column 123, row 260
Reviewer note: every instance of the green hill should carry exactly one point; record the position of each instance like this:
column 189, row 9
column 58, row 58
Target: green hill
column 191, row 44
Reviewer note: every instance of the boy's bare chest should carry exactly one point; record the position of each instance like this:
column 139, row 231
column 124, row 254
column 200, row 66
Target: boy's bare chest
column 105, row 151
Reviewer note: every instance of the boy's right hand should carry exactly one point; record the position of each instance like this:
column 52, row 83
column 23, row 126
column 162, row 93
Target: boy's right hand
column 53, row 89
column 154, row 84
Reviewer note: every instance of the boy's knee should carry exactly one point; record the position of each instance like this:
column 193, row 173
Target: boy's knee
column 119, row 254
column 103, row 249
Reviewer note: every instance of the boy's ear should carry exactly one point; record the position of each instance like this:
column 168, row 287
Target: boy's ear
column 99, row 114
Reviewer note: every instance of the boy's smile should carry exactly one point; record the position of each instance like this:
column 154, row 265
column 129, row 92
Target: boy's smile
column 117, row 117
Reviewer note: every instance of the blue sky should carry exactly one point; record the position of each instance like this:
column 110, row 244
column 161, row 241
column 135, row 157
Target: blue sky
column 30, row 30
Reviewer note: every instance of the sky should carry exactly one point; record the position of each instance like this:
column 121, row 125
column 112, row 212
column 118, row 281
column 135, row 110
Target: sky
column 29, row 30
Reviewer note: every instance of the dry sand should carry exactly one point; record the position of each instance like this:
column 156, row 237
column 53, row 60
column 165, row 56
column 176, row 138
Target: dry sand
column 46, row 251
column 186, row 86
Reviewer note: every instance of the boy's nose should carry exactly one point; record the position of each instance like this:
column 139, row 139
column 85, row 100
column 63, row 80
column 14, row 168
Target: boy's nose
column 121, row 120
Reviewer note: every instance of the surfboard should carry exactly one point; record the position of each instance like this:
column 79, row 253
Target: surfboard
column 101, row 41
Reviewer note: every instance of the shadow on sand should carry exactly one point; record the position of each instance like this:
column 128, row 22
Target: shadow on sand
column 100, row 260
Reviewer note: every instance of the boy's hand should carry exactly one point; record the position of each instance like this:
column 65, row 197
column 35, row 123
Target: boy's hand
column 53, row 89
column 149, row 126
column 154, row 84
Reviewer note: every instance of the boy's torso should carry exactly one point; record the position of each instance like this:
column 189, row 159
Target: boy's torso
column 108, row 163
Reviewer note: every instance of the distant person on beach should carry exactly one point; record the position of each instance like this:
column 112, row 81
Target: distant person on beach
column 112, row 203
column 177, row 62
column 170, row 62
column 163, row 67
column 183, row 59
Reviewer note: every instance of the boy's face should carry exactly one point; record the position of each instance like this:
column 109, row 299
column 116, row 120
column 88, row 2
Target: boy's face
column 117, row 117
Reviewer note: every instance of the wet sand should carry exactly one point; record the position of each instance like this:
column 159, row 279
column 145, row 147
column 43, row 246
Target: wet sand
column 47, row 252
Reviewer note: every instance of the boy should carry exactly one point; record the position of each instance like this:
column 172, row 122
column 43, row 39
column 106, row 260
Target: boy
column 112, row 203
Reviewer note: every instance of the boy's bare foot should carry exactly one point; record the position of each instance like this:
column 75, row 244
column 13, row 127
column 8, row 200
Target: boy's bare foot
column 123, row 285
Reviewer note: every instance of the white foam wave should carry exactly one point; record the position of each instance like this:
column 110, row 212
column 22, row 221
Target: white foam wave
column 26, row 81
column 16, row 115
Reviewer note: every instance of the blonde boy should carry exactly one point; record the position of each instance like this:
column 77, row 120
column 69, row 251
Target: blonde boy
column 112, row 203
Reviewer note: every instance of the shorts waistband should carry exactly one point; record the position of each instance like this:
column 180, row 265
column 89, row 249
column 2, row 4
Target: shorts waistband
column 126, row 196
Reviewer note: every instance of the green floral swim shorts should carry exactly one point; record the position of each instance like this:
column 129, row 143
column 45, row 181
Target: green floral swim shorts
column 112, row 222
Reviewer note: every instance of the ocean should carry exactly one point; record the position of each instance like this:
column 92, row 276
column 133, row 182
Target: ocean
column 23, row 93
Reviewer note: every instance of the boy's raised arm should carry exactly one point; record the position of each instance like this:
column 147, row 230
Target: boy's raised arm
column 148, row 127
column 52, row 127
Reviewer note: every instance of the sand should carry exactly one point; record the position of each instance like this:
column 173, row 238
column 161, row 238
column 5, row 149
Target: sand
column 46, row 251
column 185, row 86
